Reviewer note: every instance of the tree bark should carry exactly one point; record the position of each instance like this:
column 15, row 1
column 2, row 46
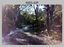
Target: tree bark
column 48, row 26
column 51, row 14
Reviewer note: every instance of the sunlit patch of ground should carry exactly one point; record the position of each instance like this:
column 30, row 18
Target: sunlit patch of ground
column 26, row 38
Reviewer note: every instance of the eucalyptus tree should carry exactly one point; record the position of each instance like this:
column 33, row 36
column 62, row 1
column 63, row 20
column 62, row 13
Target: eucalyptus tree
column 51, row 15
column 49, row 9
column 4, row 22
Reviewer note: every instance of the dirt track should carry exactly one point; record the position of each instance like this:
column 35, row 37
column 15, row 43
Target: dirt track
column 26, row 38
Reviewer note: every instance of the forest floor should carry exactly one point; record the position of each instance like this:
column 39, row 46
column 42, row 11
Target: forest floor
column 27, row 38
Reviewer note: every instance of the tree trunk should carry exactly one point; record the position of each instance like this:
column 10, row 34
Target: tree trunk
column 48, row 26
column 51, row 14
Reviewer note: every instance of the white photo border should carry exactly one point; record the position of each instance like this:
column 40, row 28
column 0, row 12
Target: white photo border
column 61, row 2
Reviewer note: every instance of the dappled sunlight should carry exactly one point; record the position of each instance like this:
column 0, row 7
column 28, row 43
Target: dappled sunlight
column 57, row 25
